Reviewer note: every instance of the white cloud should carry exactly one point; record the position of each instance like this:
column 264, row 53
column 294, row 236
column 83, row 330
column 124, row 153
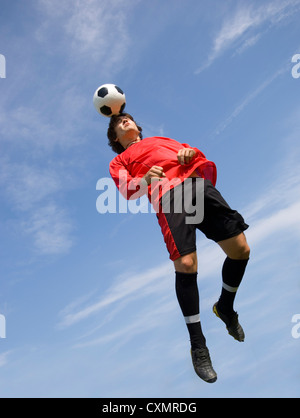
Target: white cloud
column 98, row 29
column 125, row 288
column 249, row 98
column 51, row 230
column 239, row 26
column 4, row 358
column 154, row 315
column 285, row 220
column 248, row 43
column 27, row 185
column 37, row 133
column 30, row 190
column 39, row 164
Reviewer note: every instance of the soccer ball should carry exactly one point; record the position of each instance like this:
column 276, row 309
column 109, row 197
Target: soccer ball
column 109, row 100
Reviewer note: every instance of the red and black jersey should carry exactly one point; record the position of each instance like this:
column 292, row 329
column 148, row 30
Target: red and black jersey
column 131, row 165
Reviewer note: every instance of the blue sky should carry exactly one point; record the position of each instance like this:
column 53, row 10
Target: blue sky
column 88, row 298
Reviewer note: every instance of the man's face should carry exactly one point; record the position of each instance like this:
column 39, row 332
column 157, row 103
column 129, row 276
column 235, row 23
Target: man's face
column 126, row 131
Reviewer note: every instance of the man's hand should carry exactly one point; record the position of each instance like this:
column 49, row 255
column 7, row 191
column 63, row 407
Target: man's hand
column 155, row 172
column 185, row 155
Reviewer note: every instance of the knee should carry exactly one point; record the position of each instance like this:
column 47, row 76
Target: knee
column 236, row 248
column 186, row 263
column 243, row 252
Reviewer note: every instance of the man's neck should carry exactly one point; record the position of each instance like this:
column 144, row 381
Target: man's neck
column 133, row 141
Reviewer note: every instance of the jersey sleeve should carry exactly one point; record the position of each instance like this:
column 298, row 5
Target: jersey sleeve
column 130, row 187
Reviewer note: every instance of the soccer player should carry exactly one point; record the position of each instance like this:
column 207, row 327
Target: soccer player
column 147, row 165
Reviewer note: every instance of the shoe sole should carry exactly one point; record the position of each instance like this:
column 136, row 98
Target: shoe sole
column 211, row 380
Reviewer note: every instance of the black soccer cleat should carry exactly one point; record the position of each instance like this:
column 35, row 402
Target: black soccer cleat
column 232, row 323
column 202, row 365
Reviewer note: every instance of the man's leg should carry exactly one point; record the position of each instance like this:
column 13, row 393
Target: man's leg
column 237, row 251
column 236, row 247
column 188, row 298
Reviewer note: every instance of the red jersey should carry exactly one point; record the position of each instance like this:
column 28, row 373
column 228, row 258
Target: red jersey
column 131, row 165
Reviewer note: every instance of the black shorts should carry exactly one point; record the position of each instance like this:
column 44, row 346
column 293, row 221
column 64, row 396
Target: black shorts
column 220, row 222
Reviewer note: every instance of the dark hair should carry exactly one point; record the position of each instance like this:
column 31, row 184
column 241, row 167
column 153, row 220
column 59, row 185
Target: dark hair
column 111, row 134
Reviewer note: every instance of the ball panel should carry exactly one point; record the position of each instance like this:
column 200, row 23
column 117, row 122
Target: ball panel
column 102, row 92
column 106, row 110
column 119, row 90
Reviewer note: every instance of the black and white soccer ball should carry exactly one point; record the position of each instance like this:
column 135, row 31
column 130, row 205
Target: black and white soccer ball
column 109, row 100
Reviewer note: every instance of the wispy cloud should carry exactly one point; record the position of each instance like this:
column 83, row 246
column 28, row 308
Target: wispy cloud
column 31, row 191
column 96, row 29
column 27, row 184
column 4, row 358
column 51, row 230
column 41, row 135
column 125, row 288
column 151, row 315
column 248, row 99
column 237, row 30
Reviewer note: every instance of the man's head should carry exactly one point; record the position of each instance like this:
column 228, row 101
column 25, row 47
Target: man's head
column 123, row 131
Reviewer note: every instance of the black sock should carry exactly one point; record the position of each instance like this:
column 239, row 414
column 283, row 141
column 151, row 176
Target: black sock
column 232, row 274
column 188, row 298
